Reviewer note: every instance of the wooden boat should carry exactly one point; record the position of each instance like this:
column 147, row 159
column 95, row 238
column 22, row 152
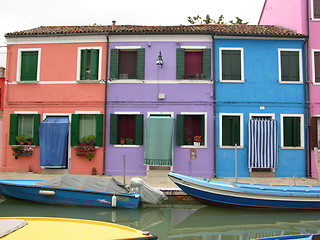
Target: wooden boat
column 37, row 228
column 248, row 195
column 84, row 192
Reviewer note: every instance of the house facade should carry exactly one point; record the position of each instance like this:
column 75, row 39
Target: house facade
column 181, row 98
column 304, row 17
column 54, row 98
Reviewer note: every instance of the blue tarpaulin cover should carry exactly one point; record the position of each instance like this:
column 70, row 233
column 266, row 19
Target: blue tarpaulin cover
column 53, row 136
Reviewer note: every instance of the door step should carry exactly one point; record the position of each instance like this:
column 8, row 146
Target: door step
column 55, row 171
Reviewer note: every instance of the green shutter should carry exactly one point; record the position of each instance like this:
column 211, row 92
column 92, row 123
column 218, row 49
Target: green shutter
column 203, row 127
column 291, row 131
column 13, row 129
column 114, row 129
column 83, row 67
column 74, row 129
column 230, row 130
column 29, row 66
column 114, row 64
column 140, row 63
column 180, row 63
column 206, row 63
column 99, row 130
column 180, row 130
column 138, row 138
column 36, row 125
column 290, row 70
column 317, row 65
column 94, row 64
column 231, row 65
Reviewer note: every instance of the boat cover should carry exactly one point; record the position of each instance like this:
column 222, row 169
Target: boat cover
column 147, row 193
column 9, row 225
column 86, row 183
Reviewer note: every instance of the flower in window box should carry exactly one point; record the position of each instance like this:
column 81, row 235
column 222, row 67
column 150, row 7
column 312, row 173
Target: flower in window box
column 197, row 138
column 27, row 151
column 17, row 151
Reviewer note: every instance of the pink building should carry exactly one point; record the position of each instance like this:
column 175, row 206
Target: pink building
column 304, row 17
column 55, row 83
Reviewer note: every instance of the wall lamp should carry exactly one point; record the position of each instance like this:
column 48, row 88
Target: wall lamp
column 159, row 60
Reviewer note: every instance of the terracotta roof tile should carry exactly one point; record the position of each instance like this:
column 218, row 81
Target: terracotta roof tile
column 219, row 29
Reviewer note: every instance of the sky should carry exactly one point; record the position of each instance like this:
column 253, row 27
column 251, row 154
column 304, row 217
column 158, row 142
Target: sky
column 17, row 15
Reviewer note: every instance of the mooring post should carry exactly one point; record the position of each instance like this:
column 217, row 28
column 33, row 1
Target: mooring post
column 124, row 169
column 236, row 161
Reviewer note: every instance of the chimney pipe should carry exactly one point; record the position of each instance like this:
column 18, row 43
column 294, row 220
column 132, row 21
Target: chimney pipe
column 114, row 25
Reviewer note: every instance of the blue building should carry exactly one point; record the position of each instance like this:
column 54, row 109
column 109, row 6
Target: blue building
column 260, row 93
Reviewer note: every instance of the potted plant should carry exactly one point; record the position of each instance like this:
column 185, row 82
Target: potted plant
column 91, row 139
column 189, row 141
column 197, row 140
column 122, row 141
column 16, row 151
column 29, row 141
column 21, row 139
column 129, row 141
column 89, row 156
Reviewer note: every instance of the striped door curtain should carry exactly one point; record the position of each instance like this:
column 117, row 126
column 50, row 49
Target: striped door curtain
column 263, row 143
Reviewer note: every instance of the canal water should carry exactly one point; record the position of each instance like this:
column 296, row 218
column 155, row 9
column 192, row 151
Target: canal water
column 182, row 221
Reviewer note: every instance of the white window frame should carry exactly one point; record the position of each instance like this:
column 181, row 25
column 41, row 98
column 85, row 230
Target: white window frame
column 20, row 50
column 241, row 129
column 301, row 130
column 79, row 64
column 300, row 64
column 205, row 129
column 26, row 113
column 314, row 66
column 242, row 64
column 312, row 11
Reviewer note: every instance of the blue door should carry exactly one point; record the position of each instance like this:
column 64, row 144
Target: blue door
column 53, row 137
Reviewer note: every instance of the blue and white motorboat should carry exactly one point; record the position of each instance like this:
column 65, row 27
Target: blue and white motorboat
column 248, row 195
column 72, row 190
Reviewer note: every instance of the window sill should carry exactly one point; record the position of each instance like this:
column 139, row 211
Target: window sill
column 192, row 146
column 292, row 148
column 125, row 145
column 231, row 147
column 125, row 81
column 27, row 82
column 32, row 146
column 231, row 81
column 290, row 82
column 88, row 81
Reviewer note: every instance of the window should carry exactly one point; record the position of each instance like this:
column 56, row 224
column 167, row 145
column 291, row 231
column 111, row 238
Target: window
column 128, row 127
column 292, row 131
column 316, row 66
column 290, row 65
column 127, row 63
column 29, row 65
column 231, row 64
column 24, row 124
column 231, row 130
column 89, row 64
column 316, row 8
column 315, row 132
column 84, row 125
column 188, row 126
column 193, row 64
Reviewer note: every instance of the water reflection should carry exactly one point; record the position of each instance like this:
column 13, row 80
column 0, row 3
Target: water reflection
column 180, row 221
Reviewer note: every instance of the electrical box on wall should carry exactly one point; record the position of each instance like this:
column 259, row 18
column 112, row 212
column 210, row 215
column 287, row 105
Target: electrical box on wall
column 161, row 96
column 193, row 154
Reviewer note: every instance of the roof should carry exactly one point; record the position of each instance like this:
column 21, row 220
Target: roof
column 218, row 29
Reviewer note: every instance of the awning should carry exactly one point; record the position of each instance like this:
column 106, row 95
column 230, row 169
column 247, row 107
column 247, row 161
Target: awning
column 263, row 144
column 158, row 141
column 53, row 136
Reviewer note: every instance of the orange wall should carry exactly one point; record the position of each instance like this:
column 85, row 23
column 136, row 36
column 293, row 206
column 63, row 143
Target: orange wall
column 58, row 63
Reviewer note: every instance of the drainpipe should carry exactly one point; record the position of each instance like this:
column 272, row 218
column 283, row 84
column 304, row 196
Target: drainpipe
column 214, row 106
column 105, row 106
column 307, row 95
